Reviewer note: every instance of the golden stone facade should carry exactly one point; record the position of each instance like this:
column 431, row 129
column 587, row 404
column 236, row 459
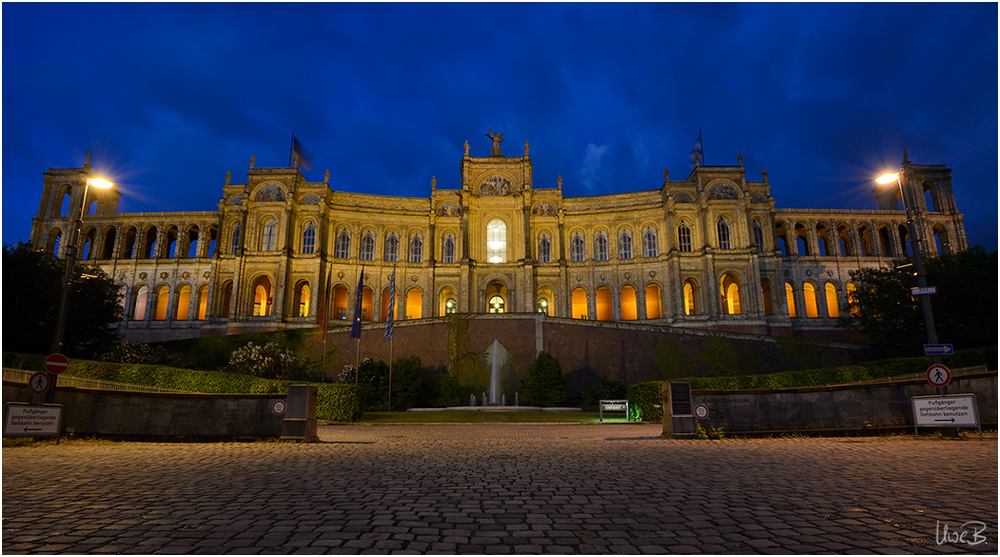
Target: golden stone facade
column 709, row 251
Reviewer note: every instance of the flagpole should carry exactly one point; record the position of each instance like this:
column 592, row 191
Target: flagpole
column 357, row 363
column 291, row 151
column 390, row 377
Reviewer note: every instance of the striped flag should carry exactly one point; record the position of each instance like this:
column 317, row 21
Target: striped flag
column 356, row 324
column 389, row 316
column 697, row 155
column 299, row 155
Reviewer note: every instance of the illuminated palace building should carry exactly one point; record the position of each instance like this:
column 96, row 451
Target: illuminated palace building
column 711, row 250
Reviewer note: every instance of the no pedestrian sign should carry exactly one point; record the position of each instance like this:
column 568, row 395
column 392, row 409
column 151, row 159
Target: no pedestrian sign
column 938, row 375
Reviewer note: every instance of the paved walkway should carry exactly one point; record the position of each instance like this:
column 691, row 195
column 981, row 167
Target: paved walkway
column 503, row 488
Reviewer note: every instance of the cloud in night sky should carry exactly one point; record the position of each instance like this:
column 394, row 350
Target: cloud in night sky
column 169, row 97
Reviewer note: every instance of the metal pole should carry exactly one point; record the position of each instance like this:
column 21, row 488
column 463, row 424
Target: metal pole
column 925, row 300
column 67, row 286
column 389, row 404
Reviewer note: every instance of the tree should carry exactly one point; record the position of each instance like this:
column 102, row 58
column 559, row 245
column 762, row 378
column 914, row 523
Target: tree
column 32, row 288
column 545, row 384
column 964, row 307
column 410, row 383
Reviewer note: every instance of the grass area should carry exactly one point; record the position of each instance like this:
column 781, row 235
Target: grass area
column 478, row 416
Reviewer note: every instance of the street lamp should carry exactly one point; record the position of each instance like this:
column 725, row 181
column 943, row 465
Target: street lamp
column 925, row 300
column 57, row 339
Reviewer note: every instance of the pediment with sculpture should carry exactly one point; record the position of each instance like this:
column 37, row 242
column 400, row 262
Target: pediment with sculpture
column 496, row 186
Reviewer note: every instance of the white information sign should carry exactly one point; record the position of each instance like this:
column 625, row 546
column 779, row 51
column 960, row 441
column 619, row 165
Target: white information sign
column 30, row 420
column 957, row 410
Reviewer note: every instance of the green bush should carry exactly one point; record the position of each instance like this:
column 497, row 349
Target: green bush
column 545, row 384
column 645, row 401
column 334, row 402
column 269, row 361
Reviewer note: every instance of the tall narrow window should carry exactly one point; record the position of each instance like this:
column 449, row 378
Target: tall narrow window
column 309, row 238
column 342, row 248
column 496, row 241
column 790, row 298
column 684, row 237
column 600, row 246
column 416, row 248
column 448, row 249
column 269, row 235
column 649, row 247
column 544, row 249
column 391, row 247
column 235, row 245
column 624, row 244
column 367, row 246
column 758, row 235
column 723, row 228
column 576, row 246
column 690, row 300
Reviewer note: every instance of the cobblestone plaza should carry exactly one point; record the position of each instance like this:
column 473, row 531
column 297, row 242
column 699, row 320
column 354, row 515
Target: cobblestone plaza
column 504, row 488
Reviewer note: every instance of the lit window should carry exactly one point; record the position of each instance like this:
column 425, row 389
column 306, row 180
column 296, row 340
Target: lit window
column 496, row 242
column 450, row 305
column 496, row 304
column 684, row 237
column 309, row 238
column 543, row 306
column 600, row 246
column 625, row 244
column 269, row 236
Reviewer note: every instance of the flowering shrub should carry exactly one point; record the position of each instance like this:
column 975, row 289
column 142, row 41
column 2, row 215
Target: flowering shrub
column 269, row 361
column 139, row 353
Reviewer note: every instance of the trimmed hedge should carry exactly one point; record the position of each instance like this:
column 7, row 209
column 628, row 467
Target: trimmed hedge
column 336, row 402
column 646, row 396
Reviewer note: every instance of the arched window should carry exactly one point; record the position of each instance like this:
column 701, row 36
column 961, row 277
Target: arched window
column 812, row 304
column 624, row 244
column 109, row 244
column 886, row 241
column 391, row 247
column 414, row 304
column 340, row 300
column 342, row 247
column 448, row 249
column 447, row 304
column 723, row 229
column 684, row 237
column 758, row 235
column 161, row 302
column 544, row 248
column 690, row 298
column 235, row 244
column 192, row 242
column 866, row 241
column 416, row 249
column 172, row 251
column 576, row 245
column 649, row 245
column 653, row 301
column 496, row 304
column 602, row 304
column 269, row 236
column 202, row 302
column 790, row 298
column 730, row 291
column 183, row 302
column 832, row 305
column 151, row 247
column 801, row 246
column 64, row 204
column 367, row 246
column 579, row 303
column 630, row 308
column 128, row 252
column 600, row 246
column 261, row 297
column 139, row 303
column 309, row 238
column 302, row 293
column 496, row 241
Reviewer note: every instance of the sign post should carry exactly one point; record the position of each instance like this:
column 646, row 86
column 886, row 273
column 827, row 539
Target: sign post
column 613, row 406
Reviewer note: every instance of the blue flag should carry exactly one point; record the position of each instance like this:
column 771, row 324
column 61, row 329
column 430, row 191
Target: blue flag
column 392, row 306
column 356, row 324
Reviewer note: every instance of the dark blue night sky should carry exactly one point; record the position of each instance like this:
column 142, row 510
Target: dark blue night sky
column 169, row 97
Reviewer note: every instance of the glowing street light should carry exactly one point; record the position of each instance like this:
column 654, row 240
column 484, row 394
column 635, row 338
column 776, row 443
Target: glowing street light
column 57, row 339
column 925, row 300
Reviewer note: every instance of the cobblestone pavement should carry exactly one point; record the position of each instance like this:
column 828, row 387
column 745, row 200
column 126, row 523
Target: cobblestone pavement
column 503, row 488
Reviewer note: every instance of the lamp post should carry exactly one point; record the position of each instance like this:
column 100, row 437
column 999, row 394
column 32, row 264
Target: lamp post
column 67, row 283
column 925, row 300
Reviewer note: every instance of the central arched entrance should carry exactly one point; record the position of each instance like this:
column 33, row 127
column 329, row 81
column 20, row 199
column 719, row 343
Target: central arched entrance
column 496, row 297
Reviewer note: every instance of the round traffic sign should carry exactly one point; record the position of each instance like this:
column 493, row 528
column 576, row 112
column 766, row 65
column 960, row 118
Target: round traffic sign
column 278, row 407
column 39, row 382
column 56, row 363
column 938, row 375
column 701, row 411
